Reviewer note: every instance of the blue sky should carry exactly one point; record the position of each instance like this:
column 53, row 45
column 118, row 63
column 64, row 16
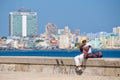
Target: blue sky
column 86, row 15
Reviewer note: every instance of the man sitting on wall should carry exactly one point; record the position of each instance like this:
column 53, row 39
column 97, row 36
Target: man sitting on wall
column 86, row 50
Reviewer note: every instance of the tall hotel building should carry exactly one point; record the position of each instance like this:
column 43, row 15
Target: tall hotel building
column 116, row 30
column 23, row 23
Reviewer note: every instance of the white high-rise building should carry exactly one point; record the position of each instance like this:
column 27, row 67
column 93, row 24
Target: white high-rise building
column 23, row 23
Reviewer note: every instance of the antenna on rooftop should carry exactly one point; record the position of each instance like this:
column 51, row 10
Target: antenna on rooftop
column 22, row 9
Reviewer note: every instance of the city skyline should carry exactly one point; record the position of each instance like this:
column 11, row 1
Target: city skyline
column 88, row 16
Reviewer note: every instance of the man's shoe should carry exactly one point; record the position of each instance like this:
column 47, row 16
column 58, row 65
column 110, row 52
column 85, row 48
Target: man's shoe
column 78, row 68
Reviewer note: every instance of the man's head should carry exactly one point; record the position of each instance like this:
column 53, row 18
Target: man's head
column 84, row 39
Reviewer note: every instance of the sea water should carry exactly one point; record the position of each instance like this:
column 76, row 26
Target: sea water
column 56, row 53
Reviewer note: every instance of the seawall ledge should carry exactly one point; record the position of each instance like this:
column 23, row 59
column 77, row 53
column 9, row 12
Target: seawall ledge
column 58, row 60
column 64, row 65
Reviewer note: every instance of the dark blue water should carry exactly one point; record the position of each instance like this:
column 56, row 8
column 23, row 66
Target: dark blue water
column 56, row 53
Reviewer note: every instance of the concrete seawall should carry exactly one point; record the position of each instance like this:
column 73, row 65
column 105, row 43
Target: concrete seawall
column 60, row 65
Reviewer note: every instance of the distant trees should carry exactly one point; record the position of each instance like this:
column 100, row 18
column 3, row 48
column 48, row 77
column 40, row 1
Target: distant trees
column 77, row 45
column 3, row 37
column 38, row 40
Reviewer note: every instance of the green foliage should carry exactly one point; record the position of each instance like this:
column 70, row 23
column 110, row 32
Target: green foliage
column 4, row 37
column 37, row 41
column 77, row 45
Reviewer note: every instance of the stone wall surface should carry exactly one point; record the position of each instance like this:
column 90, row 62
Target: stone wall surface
column 60, row 65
